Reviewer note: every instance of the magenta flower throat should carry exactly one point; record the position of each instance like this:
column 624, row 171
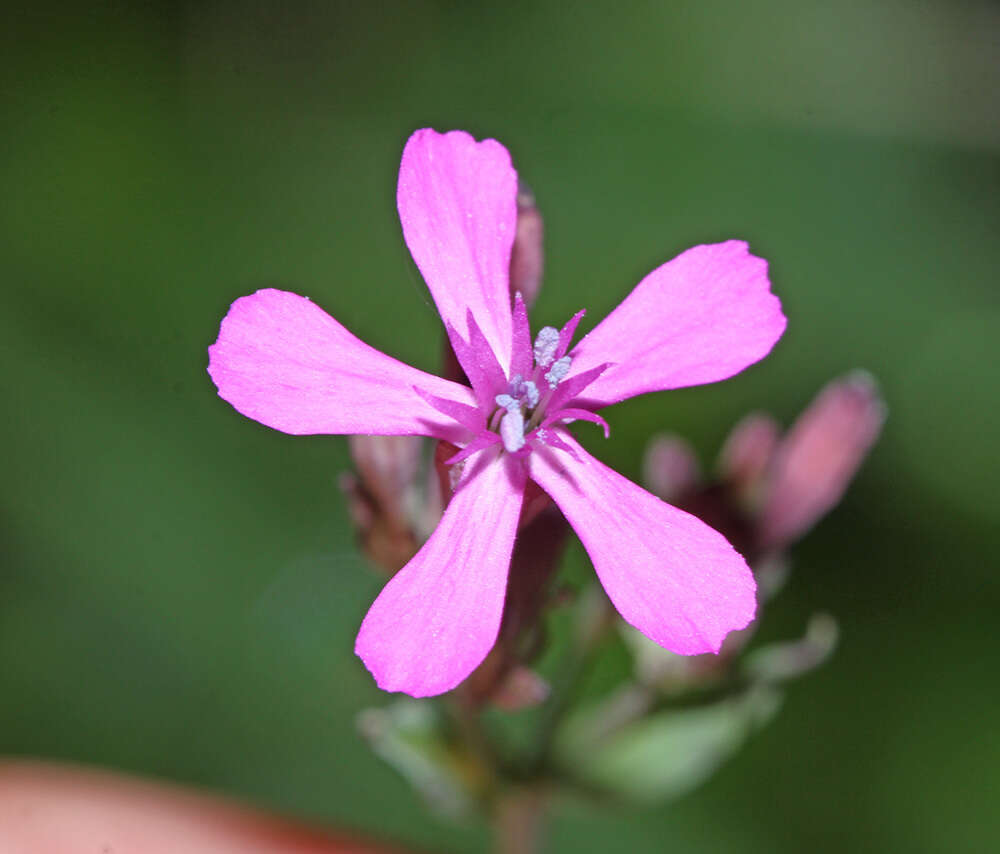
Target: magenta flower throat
column 700, row 318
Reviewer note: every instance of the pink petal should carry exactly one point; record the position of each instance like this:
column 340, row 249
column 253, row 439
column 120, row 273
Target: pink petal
column 521, row 352
column 702, row 317
column 283, row 361
column 482, row 440
column 668, row 573
column 582, row 415
column 567, row 332
column 470, row 417
column 457, row 202
column 479, row 363
column 545, row 436
column 438, row 617
column 576, row 384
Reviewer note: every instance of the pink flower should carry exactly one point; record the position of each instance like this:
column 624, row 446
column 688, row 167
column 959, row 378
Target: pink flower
column 699, row 318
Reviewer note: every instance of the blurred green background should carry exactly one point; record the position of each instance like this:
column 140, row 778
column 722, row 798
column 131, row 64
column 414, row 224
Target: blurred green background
column 179, row 587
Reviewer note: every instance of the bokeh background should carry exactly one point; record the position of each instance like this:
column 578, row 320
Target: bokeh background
column 179, row 587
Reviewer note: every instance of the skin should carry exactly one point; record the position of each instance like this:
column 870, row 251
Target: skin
column 48, row 808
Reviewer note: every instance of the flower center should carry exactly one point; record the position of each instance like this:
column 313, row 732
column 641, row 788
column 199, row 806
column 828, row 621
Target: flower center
column 523, row 412
column 522, row 407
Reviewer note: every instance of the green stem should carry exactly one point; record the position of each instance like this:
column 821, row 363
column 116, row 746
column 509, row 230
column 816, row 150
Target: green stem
column 519, row 819
column 596, row 617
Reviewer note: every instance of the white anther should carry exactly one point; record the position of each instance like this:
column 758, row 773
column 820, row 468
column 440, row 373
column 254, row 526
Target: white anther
column 512, row 430
column 558, row 371
column 522, row 392
column 507, row 402
column 545, row 346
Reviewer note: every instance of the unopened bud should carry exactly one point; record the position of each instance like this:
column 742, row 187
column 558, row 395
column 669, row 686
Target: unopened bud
column 381, row 496
column 359, row 502
column 746, row 455
column 820, row 455
column 387, row 465
column 521, row 688
column 669, row 467
column 527, row 255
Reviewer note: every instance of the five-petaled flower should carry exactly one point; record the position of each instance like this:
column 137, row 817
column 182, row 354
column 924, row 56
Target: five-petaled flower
column 699, row 318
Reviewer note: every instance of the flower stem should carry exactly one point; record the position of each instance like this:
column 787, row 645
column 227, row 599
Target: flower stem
column 518, row 821
column 594, row 618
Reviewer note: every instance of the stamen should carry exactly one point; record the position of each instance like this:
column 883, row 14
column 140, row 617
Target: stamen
column 558, row 371
column 512, row 430
column 531, row 394
column 507, row 402
column 521, row 392
column 545, row 346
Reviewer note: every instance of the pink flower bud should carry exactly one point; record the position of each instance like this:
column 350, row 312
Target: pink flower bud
column 745, row 457
column 820, row 455
column 521, row 688
column 387, row 465
column 380, row 497
column 669, row 467
column 527, row 255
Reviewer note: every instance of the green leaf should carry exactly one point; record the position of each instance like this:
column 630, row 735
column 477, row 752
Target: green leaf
column 780, row 662
column 669, row 753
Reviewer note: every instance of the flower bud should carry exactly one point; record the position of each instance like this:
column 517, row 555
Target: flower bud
column 669, row 467
column 819, row 456
column 527, row 256
column 521, row 688
column 381, row 496
column 745, row 456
